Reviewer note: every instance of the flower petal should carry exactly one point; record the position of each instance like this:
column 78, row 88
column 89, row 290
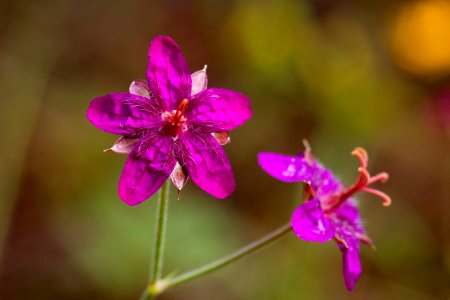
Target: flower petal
column 145, row 173
column 122, row 113
column 228, row 109
column 179, row 176
column 351, row 264
column 324, row 182
column 207, row 164
column 310, row 224
column 285, row 167
column 123, row 145
column 199, row 81
column 168, row 75
column 349, row 214
column 140, row 88
column 222, row 137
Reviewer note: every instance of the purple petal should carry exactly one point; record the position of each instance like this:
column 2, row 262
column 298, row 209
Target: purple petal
column 351, row 264
column 140, row 88
column 145, row 173
column 207, row 164
column 285, row 167
column 123, row 145
column 227, row 109
column 324, row 182
column 199, row 81
column 167, row 73
column 310, row 224
column 121, row 113
column 348, row 213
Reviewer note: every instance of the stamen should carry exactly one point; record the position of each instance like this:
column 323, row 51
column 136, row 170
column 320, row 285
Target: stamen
column 175, row 120
column 308, row 153
column 183, row 106
column 341, row 240
column 167, row 115
column 386, row 199
column 381, row 177
column 365, row 239
column 362, row 155
column 308, row 192
column 364, row 176
column 364, row 180
column 177, row 115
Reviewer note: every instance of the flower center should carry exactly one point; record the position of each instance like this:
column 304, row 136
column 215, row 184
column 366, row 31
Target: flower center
column 174, row 122
column 362, row 184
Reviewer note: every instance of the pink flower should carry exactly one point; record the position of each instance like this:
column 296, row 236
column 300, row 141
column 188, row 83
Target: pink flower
column 329, row 211
column 168, row 125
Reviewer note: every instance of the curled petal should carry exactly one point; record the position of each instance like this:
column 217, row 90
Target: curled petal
column 199, row 81
column 140, row 88
column 121, row 113
column 228, row 109
column 144, row 173
column 351, row 264
column 285, row 167
column 123, row 145
column 207, row 164
column 168, row 75
column 310, row 224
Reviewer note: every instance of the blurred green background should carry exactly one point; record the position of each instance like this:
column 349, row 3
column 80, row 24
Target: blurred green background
column 340, row 73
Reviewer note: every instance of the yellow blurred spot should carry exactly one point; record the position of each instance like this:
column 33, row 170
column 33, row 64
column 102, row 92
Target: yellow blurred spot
column 421, row 37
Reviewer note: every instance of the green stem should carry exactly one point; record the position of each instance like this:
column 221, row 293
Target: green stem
column 161, row 285
column 159, row 240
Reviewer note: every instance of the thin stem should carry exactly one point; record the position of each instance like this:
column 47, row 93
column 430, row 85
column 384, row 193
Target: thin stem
column 268, row 239
column 160, row 232
column 160, row 238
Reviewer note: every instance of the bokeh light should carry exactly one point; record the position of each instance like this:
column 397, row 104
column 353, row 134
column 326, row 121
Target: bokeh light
column 421, row 37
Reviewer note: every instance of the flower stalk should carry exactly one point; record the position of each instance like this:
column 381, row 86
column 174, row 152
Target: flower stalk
column 156, row 288
column 160, row 239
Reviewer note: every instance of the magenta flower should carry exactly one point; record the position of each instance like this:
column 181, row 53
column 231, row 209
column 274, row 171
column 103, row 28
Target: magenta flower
column 329, row 211
column 171, row 125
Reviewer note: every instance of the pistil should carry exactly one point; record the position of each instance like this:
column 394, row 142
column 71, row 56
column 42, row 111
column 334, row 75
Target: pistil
column 364, row 180
column 175, row 119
